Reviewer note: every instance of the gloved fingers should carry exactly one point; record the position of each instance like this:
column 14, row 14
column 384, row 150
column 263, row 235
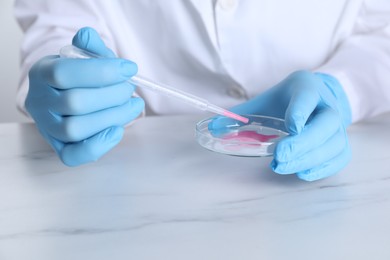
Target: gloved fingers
column 89, row 150
column 80, row 101
column 327, row 169
column 77, row 128
column 220, row 125
column 323, row 125
column 88, row 39
column 314, row 158
column 303, row 102
column 65, row 73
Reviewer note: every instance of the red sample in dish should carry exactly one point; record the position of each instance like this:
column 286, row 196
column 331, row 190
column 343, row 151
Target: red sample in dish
column 249, row 136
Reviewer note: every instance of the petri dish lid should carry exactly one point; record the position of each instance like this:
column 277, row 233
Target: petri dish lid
column 257, row 138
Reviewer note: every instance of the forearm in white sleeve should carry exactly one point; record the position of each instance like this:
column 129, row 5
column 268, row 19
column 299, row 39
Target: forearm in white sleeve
column 48, row 25
column 362, row 62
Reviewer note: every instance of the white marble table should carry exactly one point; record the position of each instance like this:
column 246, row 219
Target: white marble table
column 158, row 195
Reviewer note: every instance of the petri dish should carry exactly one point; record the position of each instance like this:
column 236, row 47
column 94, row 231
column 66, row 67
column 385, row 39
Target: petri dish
column 257, row 138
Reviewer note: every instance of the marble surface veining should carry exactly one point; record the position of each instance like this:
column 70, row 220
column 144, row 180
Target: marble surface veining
column 159, row 195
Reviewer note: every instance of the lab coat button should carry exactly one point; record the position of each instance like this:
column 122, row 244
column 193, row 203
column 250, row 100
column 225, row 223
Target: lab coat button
column 236, row 92
column 227, row 5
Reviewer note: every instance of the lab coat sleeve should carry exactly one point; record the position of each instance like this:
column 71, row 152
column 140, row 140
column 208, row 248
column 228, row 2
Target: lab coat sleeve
column 362, row 61
column 50, row 24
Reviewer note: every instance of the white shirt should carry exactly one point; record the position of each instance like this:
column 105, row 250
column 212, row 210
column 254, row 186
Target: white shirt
column 225, row 51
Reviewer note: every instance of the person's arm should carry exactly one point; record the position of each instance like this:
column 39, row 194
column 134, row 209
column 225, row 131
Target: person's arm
column 361, row 63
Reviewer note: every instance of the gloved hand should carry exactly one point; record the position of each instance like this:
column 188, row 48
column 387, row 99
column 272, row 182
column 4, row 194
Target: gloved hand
column 316, row 113
column 80, row 106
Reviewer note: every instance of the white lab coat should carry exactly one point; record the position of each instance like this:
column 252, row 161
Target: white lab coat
column 227, row 50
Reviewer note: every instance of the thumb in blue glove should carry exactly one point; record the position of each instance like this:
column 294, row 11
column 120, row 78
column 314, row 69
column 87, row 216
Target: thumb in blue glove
column 316, row 113
column 80, row 106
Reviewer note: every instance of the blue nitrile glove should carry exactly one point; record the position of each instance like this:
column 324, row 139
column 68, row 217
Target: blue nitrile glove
column 316, row 113
column 80, row 106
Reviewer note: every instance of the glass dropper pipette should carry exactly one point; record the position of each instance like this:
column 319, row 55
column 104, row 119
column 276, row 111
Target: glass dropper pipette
column 71, row 51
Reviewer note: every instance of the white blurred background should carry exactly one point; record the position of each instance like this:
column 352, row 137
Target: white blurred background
column 11, row 37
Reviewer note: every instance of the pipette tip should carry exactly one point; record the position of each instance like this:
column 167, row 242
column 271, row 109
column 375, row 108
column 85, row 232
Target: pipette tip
column 235, row 116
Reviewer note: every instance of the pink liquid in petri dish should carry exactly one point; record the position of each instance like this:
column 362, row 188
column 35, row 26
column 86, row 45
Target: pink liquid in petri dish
column 249, row 136
column 245, row 139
